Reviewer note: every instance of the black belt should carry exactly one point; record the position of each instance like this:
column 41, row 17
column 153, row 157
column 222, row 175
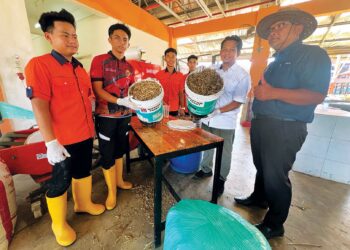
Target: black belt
column 260, row 117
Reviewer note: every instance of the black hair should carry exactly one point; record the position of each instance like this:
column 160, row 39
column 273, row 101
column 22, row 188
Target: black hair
column 47, row 19
column 192, row 57
column 119, row 26
column 169, row 50
column 237, row 39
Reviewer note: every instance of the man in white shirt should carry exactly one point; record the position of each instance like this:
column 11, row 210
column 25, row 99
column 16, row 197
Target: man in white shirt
column 222, row 121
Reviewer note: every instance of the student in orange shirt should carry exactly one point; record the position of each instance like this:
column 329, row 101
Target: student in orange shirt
column 60, row 93
column 173, row 84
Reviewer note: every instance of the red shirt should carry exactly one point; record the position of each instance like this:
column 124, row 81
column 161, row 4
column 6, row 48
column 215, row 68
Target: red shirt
column 172, row 84
column 67, row 88
column 184, row 83
column 116, row 75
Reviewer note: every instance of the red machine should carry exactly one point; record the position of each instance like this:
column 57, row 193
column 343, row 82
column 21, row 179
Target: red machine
column 143, row 69
column 21, row 159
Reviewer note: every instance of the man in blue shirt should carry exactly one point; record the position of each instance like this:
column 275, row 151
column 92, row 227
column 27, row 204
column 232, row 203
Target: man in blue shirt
column 285, row 100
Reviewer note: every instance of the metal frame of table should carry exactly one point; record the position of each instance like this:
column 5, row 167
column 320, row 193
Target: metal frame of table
column 160, row 157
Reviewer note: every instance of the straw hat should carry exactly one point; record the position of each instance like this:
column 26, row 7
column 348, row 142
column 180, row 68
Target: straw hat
column 292, row 15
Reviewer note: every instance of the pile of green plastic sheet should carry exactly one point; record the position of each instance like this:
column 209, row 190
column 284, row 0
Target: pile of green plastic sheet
column 200, row 225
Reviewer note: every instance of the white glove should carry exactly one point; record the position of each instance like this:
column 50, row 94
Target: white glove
column 55, row 152
column 214, row 113
column 127, row 103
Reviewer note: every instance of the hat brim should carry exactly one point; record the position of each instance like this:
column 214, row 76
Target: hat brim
column 294, row 16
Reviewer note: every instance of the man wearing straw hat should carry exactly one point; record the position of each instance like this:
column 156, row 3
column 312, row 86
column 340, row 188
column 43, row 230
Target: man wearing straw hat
column 285, row 100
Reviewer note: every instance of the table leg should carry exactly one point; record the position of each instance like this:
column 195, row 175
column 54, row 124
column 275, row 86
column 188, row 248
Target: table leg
column 158, row 201
column 214, row 198
column 127, row 156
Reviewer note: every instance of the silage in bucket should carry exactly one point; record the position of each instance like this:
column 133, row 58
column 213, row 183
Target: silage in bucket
column 151, row 111
column 201, row 105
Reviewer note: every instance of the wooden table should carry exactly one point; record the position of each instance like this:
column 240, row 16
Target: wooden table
column 163, row 143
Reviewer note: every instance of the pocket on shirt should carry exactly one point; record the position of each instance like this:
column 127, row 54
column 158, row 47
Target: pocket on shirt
column 63, row 86
column 85, row 85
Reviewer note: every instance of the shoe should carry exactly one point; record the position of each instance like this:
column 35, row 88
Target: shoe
column 81, row 190
column 119, row 172
column 57, row 206
column 111, row 182
column 251, row 202
column 270, row 232
column 201, row 174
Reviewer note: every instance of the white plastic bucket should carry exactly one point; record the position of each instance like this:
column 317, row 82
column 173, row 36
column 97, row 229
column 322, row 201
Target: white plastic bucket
column 201, row 105
column 152, row 110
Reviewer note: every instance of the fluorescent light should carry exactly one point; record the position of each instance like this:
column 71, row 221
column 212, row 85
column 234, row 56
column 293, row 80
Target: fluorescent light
column 292, row 2
column 37, row 26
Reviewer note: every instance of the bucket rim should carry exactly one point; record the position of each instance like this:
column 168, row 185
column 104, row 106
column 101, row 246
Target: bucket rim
column 198, row 97
column 149, row 103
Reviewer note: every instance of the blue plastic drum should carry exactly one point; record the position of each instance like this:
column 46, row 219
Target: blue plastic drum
column 186, row 164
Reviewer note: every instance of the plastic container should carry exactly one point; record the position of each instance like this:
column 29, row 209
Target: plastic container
column 200, row 105
column 186, row 164
column 152, row 110
column 198, row 225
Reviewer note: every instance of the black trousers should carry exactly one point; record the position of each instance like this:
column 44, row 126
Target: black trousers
column 113, row 136
column 77, row 166
column 274, row 145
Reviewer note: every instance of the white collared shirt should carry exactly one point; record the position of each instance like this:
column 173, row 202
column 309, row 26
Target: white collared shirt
column 236, row 86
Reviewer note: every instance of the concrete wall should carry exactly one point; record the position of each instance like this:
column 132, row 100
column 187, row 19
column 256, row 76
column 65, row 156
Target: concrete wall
column 326, row 151
column 15, row 40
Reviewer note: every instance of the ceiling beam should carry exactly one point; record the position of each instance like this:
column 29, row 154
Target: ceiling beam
column 334, row 19
column 210, row 5
column 204, row 7
column 170, row 11
column 156, row 5
column 134, row 16
column 216, row 25
column 220, row 7
column 315, row 7
column 218, row 13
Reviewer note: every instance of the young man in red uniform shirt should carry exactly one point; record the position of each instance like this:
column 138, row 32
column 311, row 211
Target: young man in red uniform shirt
column 192, row 62
column 173, row 83
column 111, row 76
column 60, row 92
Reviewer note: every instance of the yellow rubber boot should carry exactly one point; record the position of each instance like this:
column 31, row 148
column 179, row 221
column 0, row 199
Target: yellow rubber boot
column 119, row 171
column 111, row 181
column 65, row 235
column 81, row 189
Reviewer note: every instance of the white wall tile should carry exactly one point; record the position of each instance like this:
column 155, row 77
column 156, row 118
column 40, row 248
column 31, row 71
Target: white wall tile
column 336, row 171
column 315, row 146
column 323, row 125
column 308, row 164
column 339, row 150
column 342, row 129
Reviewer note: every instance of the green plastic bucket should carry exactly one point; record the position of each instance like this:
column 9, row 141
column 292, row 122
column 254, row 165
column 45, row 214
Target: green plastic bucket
column 200, row 105
column 151, row 111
